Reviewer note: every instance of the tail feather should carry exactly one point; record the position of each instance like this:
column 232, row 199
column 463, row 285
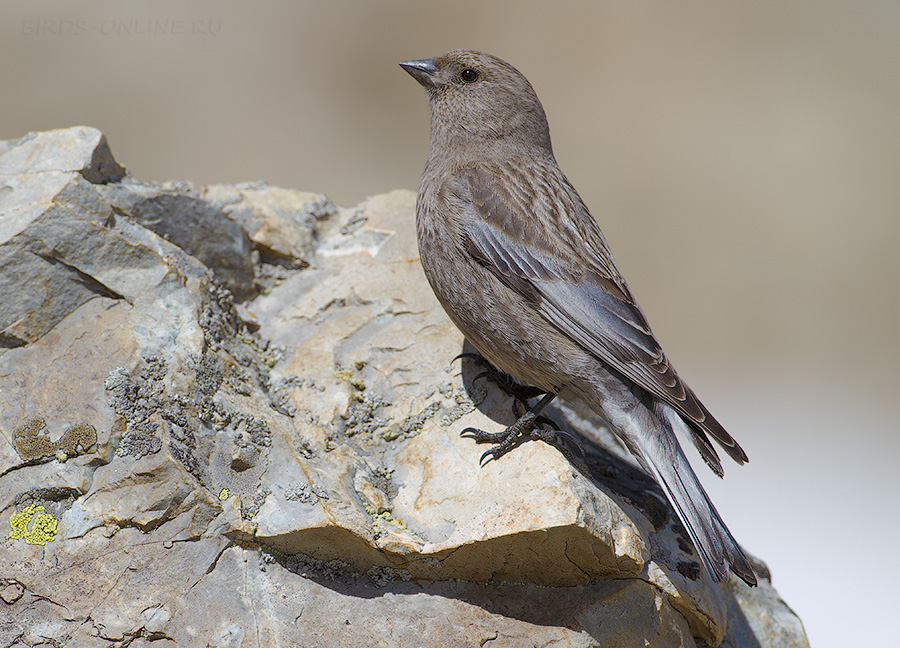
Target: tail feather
column 718, row 549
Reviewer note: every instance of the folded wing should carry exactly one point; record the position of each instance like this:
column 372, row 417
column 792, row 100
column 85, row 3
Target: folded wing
column 549, row 250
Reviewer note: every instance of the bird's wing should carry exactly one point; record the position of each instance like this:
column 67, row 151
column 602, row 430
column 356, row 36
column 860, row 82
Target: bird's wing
column 545, row 245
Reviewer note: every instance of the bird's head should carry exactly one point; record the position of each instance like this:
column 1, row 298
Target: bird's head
column 478, row 101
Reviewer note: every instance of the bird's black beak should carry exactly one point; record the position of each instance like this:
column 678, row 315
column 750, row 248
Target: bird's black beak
column 422, row 70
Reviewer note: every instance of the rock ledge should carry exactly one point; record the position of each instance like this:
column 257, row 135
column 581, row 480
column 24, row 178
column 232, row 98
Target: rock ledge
column 236, row 409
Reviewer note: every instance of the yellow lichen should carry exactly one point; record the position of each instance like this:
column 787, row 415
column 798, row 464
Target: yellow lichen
column 355, row 382
column 223, row 494
column 43, row 525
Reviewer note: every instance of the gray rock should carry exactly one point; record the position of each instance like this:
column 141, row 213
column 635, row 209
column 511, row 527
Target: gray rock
column 80, row 149
column 283, row 224
column 201, row 229
column 289, row 471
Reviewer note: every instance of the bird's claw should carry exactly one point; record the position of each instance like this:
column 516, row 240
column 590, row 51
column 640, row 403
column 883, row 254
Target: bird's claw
column 480, row 436
column 548, row 436
column 472, row 433
column 504, row 441
column 555, row 431
column 466, row 354
column 528, row 426
column 489, row 455
column 554, row 437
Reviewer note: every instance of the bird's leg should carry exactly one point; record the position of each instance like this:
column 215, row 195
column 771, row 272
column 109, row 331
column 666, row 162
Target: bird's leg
column 527, row 427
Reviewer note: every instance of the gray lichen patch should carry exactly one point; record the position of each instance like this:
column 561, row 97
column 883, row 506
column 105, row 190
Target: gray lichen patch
column 208, row 376
column 337, row 571
column 305, row 493
column 412, row 424
column 280, row 391
column 204, row 409
column 361, row 416
column 251, row 509
column 315, row 569
column 384, row 576
column 136, row 399
column 463, row 404
column 249, row 428
column 218, row 318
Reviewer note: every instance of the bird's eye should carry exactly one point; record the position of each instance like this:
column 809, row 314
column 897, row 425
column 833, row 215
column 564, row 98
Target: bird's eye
column 469, row 75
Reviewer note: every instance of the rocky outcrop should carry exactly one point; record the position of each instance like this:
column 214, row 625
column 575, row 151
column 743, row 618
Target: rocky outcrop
column 231, row 417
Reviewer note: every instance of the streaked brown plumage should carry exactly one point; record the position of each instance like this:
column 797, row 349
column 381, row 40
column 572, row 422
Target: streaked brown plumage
column 521, row 267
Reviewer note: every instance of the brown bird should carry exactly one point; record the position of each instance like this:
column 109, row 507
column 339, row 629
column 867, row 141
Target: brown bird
column 521, row 267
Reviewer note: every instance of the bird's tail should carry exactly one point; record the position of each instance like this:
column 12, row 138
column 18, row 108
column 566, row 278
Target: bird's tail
column 665, row 460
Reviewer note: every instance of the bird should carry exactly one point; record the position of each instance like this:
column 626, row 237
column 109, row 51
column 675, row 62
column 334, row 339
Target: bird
column 522, row 269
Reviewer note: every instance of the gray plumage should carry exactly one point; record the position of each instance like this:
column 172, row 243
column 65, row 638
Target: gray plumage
column 522, row 269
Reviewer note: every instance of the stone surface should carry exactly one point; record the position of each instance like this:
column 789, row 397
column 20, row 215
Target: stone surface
column 201, row 229
column 280, row 463
column 283, row 223
column 81, row 149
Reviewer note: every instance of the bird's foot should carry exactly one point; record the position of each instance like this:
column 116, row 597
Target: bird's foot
column 503, row 380
column 529, row 426
column 516, row 434
column 529, row 430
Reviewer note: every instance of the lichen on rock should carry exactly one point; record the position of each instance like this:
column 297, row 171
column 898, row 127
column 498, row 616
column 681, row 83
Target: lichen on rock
column 32, row 440
column 33, row 526
column 283, row 413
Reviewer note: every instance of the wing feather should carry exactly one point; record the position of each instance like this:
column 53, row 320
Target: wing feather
column 549, row 249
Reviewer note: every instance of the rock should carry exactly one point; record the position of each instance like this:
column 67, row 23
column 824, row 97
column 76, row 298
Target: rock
column 81, row 149
column 288, row 469
column 172, row 211
column 284, row 224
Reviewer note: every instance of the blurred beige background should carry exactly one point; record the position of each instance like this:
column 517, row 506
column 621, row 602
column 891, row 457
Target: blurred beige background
column 743, row 161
